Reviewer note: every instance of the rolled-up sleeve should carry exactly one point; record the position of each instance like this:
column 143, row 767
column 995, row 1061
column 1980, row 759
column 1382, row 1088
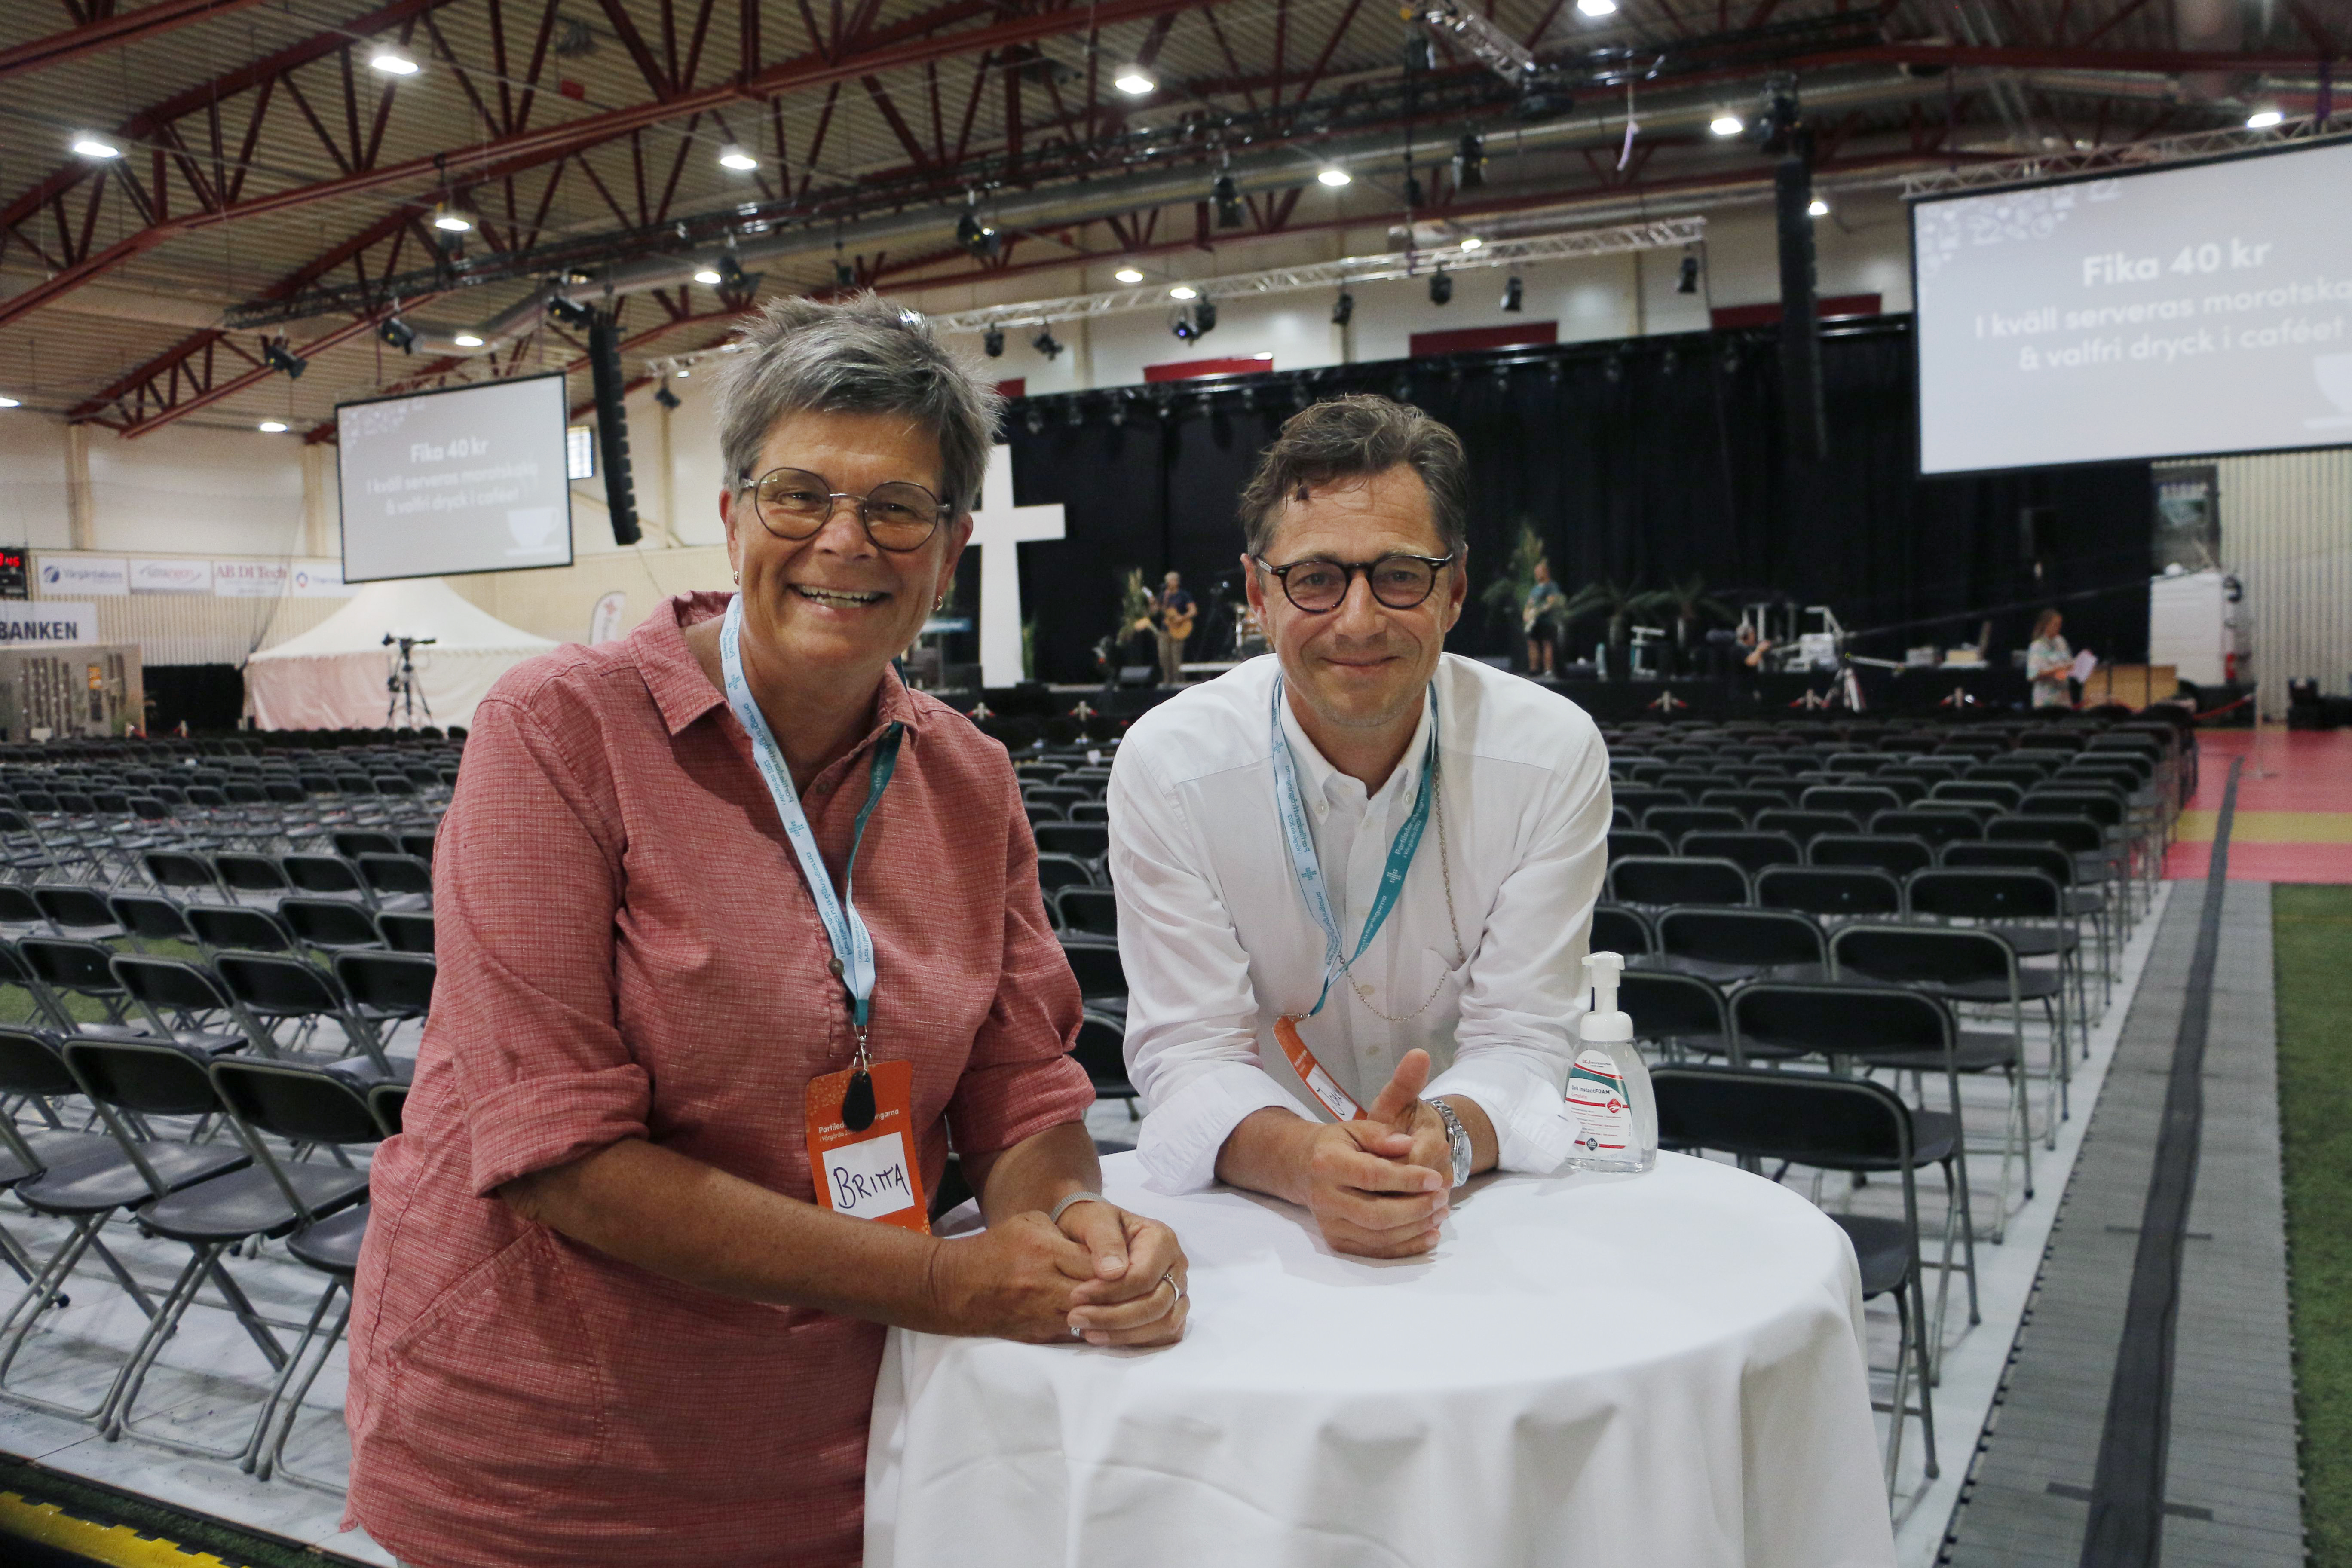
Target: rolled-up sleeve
column 527, row 882
column 1021, row 1078
column 1526, row 994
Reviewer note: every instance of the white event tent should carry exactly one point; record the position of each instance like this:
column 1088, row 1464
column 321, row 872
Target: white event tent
column 333, row 675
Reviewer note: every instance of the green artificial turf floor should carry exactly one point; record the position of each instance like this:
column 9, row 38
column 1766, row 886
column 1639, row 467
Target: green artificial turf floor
column 2312, row 927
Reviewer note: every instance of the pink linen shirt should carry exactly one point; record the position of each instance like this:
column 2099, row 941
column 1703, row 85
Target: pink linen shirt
column 627, row 950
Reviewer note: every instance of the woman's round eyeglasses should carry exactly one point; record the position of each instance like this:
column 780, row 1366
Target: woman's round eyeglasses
column 1318, row 586
column 795, row 504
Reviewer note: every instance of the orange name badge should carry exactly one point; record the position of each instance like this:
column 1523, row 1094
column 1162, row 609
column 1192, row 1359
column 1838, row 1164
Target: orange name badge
column 873, row 1173
column 1320, row 1084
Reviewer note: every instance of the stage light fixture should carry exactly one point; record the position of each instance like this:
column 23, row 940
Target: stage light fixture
column 844, row 276
column 1597, row 7
column 2264, row 119
column 1046, row 343
column 1420, row 54
column 1688, row 282
column 90, row 145
column 1820, row 208
column 1204, row 315
column 1334, row 177
column 1228, row 199
column 666, row 398
column 1726, row 125
column 392, row 62
column 1183, row 291
column 1180, row 324
column 467, row 340
column 1469, row 162
column 1129, row 275
column 992, row 343
column 979, row 239
column 1470, row 242
column 272, row 427
column 451, row 217
column 734, row 156
column 278, row 356
column 397, row 333
column 1343, row 309
column 1514, row 292
column 576, row 316
column 1440, row 286
column 707, row 275
column 7, row 401
column 1135, row 81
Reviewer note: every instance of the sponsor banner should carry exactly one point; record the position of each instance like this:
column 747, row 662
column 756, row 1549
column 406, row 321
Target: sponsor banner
column 170, row 576
column 44, row 623
column 321, row 580
column 63, row 576
column 248, row 579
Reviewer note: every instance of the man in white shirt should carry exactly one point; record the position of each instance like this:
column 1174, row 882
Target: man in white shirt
column 1355, row 525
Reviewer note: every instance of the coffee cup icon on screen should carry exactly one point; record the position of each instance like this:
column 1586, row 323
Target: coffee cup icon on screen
column 533, row 528
column 2333, row 373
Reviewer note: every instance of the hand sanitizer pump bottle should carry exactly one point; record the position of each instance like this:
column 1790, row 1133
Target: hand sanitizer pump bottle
column 1609, row 1095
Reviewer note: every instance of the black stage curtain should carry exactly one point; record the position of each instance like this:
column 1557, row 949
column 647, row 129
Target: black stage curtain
column 209, row 696
column 1647, row 460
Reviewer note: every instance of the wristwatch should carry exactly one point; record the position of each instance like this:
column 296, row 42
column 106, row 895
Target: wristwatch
column 1457, row 1138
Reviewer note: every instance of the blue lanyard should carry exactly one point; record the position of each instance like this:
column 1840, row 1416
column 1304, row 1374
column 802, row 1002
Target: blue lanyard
column 852, row 946
column 1308, row 869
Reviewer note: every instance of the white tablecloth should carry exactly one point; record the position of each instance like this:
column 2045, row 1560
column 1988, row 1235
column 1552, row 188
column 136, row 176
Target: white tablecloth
column 1661, row 1371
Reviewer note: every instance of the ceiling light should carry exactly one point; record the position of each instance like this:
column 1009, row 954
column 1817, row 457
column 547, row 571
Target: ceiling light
column 1333, row 177
column 1129, row 275
column 2264, row 119
column 685, row 371
column 1135, row 81
column 733, row 156
column 708, row 276
column 1726, row 125
column 392, row 62
column 467, row 341
column 90, row 146
column 1820, row 208
column 451, row 217
column 10, row 403
column 1183, row 291
column 1597, row 7
column 271, row 426
column 1470, row 242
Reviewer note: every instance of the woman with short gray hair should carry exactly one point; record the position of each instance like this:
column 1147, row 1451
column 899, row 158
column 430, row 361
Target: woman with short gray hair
column 736, row 936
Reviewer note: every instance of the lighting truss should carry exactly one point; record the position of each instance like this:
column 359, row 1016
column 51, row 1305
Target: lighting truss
column 1492, row 47
column 1659, row 234
column 2121, row 156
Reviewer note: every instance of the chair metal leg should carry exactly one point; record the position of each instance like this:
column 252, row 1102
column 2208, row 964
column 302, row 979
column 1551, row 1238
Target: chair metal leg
column 256, row 1459
column 274, row 1466
column 203, row 1264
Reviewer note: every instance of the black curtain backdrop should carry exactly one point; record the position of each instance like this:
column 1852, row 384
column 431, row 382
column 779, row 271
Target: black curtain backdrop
column 1647, row 460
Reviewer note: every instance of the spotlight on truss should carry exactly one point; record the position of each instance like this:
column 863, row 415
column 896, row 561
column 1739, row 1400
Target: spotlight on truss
column 1228, row 199
column 1514, row 292
column 992, row 343
column 981, row 239
column 1343, row 309
column 1688, row 282
column 397, row 333
column 1469, row 162
column 576, row 316
column 278, row 356
column 1046, row 343
column 1440, row 286
column 1482, row 39
column 666, row 398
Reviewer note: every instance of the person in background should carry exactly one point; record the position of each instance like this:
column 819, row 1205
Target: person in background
column 1544, row 599
column 1172, row 611
column 1441, row 825
column 2047, row 662
column 602, row 1315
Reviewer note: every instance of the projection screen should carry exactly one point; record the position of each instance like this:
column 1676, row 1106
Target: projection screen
column 2180, row 311
column 470, row 479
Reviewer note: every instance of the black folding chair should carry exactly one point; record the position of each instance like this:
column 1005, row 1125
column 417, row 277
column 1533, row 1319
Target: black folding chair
column 1752, row 851
column 1932, row 828
column 2059, row 864
column 146, row 917
column 158, row 1079
column 1829, row 892
column 1674, row 821
column 327, row 877
column 405, row 932
column 1617, row 929
column 1678, row 1012
column 182, row 1002
column 76, row 909
column 1055, row 872
column 252, row 879
column 1856, row 1025
column 1826, row 1124
column 224, row 926
column 397, row 881
column 1088, row 911
column 387, row 989
column 1101, row 1048
column 1625, row 841
column 330, row 926
column 350, row 843
column 273, row 989
column 67, row 967
column 1675, row 880
column 1102, row 980
column 306, row 1108
column 176, row 870
column 1088, row 841
column 1899, row 857
column 1861, row 802
column 2029, row 911
column 1730, row 945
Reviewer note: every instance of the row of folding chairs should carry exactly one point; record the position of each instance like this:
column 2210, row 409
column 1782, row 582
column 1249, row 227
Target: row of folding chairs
column 320, row 926
column 377, row 880
column 282, row 1173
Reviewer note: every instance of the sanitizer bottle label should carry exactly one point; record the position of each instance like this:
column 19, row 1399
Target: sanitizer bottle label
column 1598, row 1104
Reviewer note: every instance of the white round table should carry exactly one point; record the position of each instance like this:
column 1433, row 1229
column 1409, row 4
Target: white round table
column 1661, row 1371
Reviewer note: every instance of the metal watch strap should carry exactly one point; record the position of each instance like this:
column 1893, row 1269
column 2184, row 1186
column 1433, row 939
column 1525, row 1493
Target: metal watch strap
column 1075, row 1198
column 1457, row 1138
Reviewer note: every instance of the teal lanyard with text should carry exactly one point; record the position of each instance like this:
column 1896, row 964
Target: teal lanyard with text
column 1308, row 869
column 853, row 948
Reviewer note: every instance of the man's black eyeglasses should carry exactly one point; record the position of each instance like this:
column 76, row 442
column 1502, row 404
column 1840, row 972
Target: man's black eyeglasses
column 793, row 503
column 1318, row 586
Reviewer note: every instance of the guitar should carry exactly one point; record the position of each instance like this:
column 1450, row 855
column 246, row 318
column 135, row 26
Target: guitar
column 1177, row 624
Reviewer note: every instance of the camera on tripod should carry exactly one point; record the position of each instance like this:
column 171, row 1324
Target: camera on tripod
column 403, row 693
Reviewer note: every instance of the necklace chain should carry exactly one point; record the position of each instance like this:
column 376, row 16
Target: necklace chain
column 1446, row 877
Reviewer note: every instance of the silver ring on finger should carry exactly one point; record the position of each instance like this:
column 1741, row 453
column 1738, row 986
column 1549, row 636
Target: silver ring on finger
column 1169, row 1279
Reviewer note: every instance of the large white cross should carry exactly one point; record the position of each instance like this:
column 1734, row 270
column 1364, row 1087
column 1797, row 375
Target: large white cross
column 995, row 523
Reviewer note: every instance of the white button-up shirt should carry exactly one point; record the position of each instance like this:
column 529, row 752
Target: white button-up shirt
column 1218, row 942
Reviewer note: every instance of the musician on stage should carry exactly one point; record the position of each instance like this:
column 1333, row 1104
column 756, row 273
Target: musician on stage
column 1538, row 617
column 1172, row 614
